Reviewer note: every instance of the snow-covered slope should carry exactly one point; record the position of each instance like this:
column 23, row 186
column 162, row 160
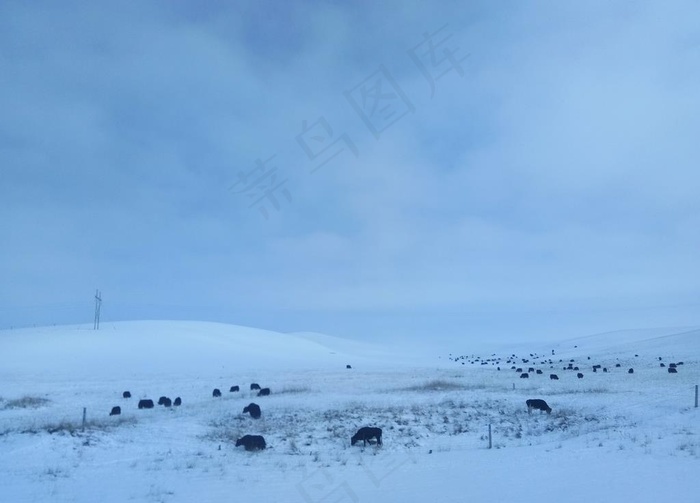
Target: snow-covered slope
column 146, row 348
column 611, row 436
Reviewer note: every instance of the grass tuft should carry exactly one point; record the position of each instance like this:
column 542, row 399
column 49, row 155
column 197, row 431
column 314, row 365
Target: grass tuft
column 26, row 402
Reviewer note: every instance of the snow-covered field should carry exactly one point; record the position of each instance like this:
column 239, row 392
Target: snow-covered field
column 610, row 436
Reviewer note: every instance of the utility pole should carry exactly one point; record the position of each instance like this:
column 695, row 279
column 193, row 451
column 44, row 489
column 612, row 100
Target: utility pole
column 98, row 304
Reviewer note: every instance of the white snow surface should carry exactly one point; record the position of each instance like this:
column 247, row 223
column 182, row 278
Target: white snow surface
column 611, row 436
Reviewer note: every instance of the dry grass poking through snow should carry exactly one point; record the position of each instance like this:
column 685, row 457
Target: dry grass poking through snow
column 409, row 426
column 26, row 402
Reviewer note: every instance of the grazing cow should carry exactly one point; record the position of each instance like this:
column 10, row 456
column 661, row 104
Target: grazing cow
column 630, row 371
column 167, row 402
column 672, row 370
column 126, row 394
column 672, row 365
column 161, row 400
column 216, row 392
column 254, row 386
column 530, row 369
column 579, row 375
column 596, row 366
column 116, row 411
column 264, row 392
column 251, row 442
column 595, row 369
column 177, row 402
column 662, row 365
column 617, row 365
column 536, row 403
column 145, row 404
column 539, row 371
column 234, row 389
column 253, row 409
column 513, row 367
column 679, row 363
column 605, row 369
column 365, row 433
column 518, row 370
column 554, row 377
column 498, row 368
column 576, row 368
column 348, row 366
column 524, row 375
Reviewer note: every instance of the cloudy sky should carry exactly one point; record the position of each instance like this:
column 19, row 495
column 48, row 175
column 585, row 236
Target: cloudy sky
column 420, row 169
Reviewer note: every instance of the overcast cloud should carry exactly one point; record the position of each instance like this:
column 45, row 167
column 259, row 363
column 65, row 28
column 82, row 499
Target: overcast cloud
column 546, row 185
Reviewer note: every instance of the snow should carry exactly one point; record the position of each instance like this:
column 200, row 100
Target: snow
column 611, row 436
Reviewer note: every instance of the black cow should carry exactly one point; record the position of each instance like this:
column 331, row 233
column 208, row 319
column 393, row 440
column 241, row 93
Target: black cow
column 177, row 402
column 348, row 366
column 167, row 402
column 672, row 365
column 264, row 392
column 554, row 377
column 145, row 404
column 662, row 365
column 216, row 392
column 536, row 403
column 524, row 375
column 617, row 365
column 531, row 369
column 365, row 434
column 630, row 371
column 126, row 394
column 234, row 389
column 539, row 371
column 672, row 370
column 579, row 375
column 251, row 442
column 605, row 369
column 253, row 409
column 116, row 411
column 254, row 386
column 518, row 370
column 162, row 400
column 679, row 363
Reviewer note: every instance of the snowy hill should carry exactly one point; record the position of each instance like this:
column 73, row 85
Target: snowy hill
column 635, row 435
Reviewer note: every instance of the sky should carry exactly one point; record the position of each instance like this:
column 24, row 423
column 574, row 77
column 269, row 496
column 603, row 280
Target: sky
column 407, row 170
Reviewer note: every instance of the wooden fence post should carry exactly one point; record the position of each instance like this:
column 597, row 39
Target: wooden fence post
column 696, row 396
column 84, row 416
column 490, row 435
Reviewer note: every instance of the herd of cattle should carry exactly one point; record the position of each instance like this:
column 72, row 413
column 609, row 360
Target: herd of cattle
column 535, row 359
column 365, row 434
column 249, row 442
